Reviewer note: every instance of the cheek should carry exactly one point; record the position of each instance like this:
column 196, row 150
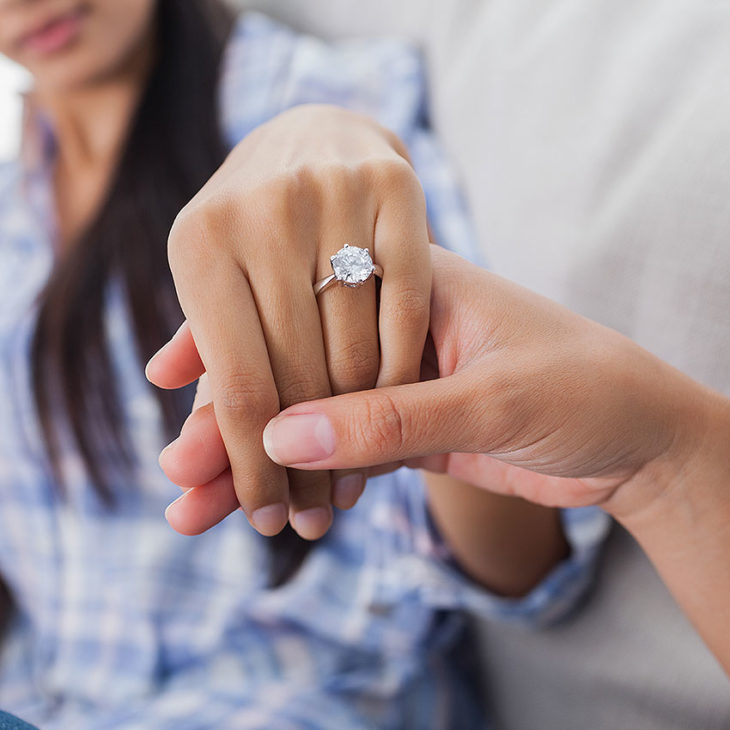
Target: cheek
column 116, row 32
column 121, row 26
column 8, row 45
column 113, row 32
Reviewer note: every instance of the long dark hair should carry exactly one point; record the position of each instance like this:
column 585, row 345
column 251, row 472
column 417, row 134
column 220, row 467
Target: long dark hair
column 174, row 144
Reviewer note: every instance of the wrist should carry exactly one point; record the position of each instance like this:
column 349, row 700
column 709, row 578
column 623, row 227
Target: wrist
column 690, row 478
column 682, row 523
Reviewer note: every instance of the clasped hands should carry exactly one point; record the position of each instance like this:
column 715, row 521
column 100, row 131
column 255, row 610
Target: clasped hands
column 513, row 393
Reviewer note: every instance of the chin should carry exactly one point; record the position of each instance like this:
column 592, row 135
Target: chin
column 81, row 68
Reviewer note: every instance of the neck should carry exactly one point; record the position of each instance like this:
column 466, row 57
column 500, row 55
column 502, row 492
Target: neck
column 90, row 127
column 90, row 121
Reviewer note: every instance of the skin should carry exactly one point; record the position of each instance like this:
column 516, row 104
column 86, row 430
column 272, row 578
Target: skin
column 258, row 234
column 503, row 542
column 303, row 183
column 295, row 190
column 87, row 87
column 537, row 402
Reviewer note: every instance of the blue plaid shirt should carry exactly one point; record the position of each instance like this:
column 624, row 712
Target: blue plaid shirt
column 123, row 623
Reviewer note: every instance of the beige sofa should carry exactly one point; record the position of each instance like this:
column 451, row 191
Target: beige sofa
column 591, row 136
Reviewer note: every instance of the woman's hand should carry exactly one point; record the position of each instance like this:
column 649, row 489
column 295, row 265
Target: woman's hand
column 244, row 254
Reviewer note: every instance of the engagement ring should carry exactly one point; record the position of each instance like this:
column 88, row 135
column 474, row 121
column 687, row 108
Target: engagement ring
column 352, row 266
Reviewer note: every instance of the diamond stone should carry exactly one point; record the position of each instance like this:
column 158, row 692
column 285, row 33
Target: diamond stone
column 352, row 265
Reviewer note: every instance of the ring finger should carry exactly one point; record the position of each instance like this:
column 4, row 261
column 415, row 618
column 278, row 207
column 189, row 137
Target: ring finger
column 350, row 330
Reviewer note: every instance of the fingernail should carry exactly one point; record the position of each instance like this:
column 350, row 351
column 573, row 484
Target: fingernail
column 270, row 519
column 147, row 367
column 347, row 490
column 299, row 439
column 167, row 448
column 312, row 523
column 174, row 501
column 152, row 359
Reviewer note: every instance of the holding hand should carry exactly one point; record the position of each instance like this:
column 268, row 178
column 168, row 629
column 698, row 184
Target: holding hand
column 548, row 405
column 559, row 410
column 245, row 254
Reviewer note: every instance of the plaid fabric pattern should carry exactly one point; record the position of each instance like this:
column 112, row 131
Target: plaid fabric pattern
column 123, row 623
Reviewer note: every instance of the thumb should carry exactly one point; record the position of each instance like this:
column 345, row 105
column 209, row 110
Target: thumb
column 376, row 426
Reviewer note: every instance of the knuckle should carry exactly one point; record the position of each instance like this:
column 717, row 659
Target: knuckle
column 412, row 305
column 393, row 174
column 242, row 394
column 216, row 215
column 509, row 414
column 184, row 230
column 355, row 366
column 299, row 386
column 201, row 225
column 386, row 431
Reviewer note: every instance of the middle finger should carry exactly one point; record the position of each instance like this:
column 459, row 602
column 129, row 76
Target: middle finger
column 292, row 330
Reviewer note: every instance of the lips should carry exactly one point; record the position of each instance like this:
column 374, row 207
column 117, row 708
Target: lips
column 55, row 34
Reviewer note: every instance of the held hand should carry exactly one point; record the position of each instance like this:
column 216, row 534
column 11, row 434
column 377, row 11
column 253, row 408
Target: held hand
column 245, row 253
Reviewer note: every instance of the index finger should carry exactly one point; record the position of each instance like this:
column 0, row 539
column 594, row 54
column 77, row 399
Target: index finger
column 217, row 301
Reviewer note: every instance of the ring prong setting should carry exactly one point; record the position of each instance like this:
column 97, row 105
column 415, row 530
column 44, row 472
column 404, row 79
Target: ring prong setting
column 352, row 265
